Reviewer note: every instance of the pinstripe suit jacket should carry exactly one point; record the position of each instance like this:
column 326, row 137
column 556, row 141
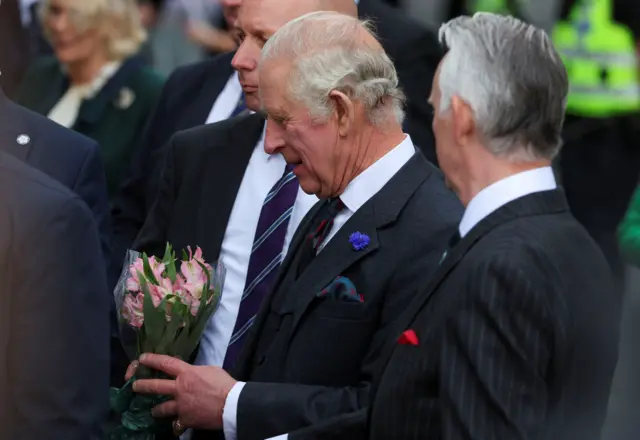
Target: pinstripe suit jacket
column 517, row 336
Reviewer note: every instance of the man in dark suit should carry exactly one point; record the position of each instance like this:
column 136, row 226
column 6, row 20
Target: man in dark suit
column 516, row 335
column 209, row 92
column 54, row 311
column 68, row 157
column 385, row 214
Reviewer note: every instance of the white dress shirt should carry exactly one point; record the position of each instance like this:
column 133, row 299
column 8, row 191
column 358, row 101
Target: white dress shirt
column 226, row 101
column 504, row 191
column 263, row 171
column 65, row 112
column 356, row 194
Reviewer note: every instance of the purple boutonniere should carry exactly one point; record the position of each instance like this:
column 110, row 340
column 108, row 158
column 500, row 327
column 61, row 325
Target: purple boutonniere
column 359, row 240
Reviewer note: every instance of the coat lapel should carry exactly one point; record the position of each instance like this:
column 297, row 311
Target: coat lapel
column 16, row 137
column 338, row 255
column 546, row 202
column 227, row 163
column 113, row 92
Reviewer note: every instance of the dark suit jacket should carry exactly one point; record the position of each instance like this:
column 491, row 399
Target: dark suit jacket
column 70, row 158
column 185, row 102
column 416, row 54
column 308, row 358
column 201, row 177
column 117, row 125
column 517, row 331
column 54, row 311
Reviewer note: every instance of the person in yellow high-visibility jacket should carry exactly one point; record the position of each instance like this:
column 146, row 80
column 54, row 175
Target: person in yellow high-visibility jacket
column 600, row 160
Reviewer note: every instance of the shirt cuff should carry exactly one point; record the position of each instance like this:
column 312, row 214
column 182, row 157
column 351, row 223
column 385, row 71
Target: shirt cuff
column 280, row 437
column 230, row 412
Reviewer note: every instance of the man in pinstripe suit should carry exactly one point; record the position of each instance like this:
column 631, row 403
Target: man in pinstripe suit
column 516, row 335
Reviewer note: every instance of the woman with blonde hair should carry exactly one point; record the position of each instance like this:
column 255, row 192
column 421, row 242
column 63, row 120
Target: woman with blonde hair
column 96, row 84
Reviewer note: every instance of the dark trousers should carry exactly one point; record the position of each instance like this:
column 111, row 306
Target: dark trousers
column 599, row 166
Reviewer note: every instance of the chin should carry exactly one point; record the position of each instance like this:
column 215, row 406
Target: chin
column 252, row 100
column 67, row 57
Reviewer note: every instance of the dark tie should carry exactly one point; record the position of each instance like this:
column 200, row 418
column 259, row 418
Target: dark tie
column 241, row 107
column 317, row 233
column 266, row 256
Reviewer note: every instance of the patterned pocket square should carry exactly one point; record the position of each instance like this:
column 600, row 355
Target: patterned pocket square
column 408, row 337
column 341, row 289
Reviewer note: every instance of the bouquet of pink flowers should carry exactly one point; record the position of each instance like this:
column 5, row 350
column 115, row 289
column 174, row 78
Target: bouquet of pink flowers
column 168, row 307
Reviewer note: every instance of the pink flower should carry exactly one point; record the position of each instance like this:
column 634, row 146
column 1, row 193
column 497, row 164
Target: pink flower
column 132, row 309
column 195, row 278
column 157, row 267
column 158, row 293
column 193, row 304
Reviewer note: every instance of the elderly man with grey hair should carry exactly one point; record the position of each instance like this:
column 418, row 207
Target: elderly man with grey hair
column 334, row 112
column 516, row 336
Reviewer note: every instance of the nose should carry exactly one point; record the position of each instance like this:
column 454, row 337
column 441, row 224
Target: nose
column 273, row 139
column 246, row 57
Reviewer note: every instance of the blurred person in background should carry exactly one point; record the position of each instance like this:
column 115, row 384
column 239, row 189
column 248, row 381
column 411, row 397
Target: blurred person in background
column 600, row 160
column 209, row 26
column 95, row 84
column 182, row 32
column 209, row 91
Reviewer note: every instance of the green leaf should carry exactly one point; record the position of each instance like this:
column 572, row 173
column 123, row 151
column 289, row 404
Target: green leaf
column 180, row 346
column 185, row 257
column 147, row 270
column 167, row 254
column 203, row 316
column 154, row 319
column 171, row 331
column 170, row 263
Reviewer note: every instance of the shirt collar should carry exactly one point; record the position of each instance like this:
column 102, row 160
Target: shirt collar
column 370, row 181
column 504, row 191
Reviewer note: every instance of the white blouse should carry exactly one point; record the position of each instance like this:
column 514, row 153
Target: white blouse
column 65, row 112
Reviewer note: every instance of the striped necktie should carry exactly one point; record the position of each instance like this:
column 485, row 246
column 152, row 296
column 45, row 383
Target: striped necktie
column 266, row 256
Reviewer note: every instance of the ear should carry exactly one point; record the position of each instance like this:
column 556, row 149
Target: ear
column 464, row 125
column 345, row 111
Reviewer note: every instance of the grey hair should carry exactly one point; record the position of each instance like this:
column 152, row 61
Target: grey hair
column 328, row 53
column 513, row 79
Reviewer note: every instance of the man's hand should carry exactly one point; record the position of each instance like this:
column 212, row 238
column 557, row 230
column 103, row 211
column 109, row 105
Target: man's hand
column 199, row 392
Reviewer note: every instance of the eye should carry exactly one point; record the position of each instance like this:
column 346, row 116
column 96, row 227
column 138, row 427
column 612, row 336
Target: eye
column 240, row 36
column 279, row 120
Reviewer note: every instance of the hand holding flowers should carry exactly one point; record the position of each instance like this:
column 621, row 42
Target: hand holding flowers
column 169, row 309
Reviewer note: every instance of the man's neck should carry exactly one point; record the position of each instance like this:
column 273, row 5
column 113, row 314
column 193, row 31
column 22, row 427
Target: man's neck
column 375, row 144
column 485, row 174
